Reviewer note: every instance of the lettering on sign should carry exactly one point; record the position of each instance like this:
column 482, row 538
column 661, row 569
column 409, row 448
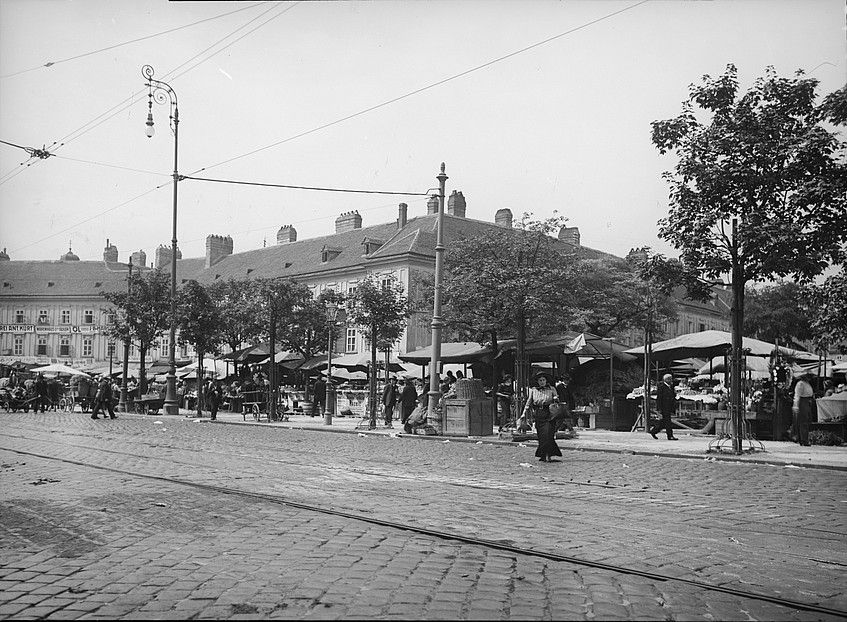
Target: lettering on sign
column 32, row 328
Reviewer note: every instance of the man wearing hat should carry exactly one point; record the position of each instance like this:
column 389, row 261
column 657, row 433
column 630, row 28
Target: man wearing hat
column 103, row 399
column 666, row 403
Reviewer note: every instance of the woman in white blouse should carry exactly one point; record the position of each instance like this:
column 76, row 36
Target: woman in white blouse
column 538, row 402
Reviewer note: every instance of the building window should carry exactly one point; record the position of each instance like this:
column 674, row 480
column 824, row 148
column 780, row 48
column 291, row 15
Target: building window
column 385, row 283
column 41, row 346
column 66, row 316
column 43, row 316
column 132, row 352
column 19, row 345
column 88, row 317
column 351, row 290
column 351, row 340
column 164, row 346
column 110, row 349
column 65, row 346
column 87, row 347
column 20, row 317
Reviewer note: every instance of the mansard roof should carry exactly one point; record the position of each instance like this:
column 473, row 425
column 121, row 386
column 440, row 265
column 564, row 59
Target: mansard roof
column 61, row 278
column 303, row 258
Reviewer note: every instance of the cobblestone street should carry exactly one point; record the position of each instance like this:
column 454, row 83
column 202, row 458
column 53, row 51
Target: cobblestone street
column 168, row 518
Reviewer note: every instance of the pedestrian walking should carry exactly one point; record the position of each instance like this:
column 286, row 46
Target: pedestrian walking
column 804, row 397
column 319, row 396
column 214, row 395
column 389, row 399
column 666, row 403
column 408, row 400
column 103, row 399
column 505, row 394
column 538, row 402
column 41, row 393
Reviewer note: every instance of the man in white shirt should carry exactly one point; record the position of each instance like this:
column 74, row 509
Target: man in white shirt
column 804, row 397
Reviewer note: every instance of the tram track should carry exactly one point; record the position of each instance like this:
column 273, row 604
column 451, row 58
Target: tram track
column 587, row 489
column 444, row 535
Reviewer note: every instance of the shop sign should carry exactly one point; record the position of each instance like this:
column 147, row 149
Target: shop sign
column 32, row 328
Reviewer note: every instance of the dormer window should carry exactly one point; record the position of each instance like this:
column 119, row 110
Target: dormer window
column 371, row 245
column 328, row 253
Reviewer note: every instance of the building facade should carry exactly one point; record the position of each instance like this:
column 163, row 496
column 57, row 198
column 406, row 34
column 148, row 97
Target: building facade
column 53, row 311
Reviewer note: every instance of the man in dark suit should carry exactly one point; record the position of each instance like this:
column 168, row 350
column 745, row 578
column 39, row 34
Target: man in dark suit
column 319, row 397
column 389, row 399
column 666, row 403
column 103, row 399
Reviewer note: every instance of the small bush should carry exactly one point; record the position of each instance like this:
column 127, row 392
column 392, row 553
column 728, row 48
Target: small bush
column 821, row 437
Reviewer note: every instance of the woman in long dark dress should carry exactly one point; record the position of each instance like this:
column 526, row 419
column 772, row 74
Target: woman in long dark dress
column 538, row 402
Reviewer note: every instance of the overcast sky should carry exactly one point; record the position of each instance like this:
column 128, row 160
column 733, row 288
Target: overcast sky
column 291, row 93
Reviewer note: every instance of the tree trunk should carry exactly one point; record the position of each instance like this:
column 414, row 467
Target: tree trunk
column 142, row 372
column 199, row 374
column 737, row 319
column 372, row 392
column 520, row 367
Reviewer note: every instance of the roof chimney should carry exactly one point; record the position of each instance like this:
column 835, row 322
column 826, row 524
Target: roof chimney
column 286, row 235
column 348, row 222
column 217, row 247
column 569, row 235
column 432, row 205
column 503, row 218
column 402, row 215
column 110, row 253
column 139, row 258
column 163, row 256
column 456, row 204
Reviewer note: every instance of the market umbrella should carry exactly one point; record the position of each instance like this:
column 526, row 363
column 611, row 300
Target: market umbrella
column 57, row 368
column 451, row 352
column 361, row 362
column 710, row 343
column 756, row 366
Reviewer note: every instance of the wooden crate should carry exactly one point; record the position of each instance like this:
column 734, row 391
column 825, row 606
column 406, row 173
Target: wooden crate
column 468, row 417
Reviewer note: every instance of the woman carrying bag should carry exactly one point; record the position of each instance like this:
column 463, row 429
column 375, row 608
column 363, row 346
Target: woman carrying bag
column 539, row 400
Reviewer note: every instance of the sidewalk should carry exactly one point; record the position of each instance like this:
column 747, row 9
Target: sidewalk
column 640, row 443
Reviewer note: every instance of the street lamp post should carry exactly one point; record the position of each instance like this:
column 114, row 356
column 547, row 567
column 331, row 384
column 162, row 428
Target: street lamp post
column 611, row 375
column 164, row 94
column 122, row 402
column 331, row 314
column 433, row 417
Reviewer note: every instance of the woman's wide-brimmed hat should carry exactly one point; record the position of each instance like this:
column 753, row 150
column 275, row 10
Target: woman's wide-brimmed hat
column 545, row 375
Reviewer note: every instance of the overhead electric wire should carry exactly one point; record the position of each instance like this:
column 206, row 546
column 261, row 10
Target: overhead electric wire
column 132, row 99
column 255, row 183
column 89, row 219
column 424, row 88
column 375, row 107
column 124, row 168
column 117, row 45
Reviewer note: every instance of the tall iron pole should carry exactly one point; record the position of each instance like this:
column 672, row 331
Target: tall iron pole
column 163, row 93
column 122, row 402
column 433, row 416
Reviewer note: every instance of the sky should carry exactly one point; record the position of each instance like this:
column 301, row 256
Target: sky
column 539, row 106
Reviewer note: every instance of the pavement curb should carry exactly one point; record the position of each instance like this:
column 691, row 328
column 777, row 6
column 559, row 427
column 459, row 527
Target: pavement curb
column 706, row 456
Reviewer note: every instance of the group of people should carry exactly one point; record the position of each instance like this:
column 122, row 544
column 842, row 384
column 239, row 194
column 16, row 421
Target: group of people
column 406, row 396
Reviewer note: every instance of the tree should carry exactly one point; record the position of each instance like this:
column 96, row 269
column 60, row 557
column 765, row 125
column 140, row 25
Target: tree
column 759, row 187
column 200, row 326
column 143, row 313
column 827, row 304
column 307, row 333
column 777, row 313
column 238, row 304
column 519, row 282
column 280, row 298
column 380, row 310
